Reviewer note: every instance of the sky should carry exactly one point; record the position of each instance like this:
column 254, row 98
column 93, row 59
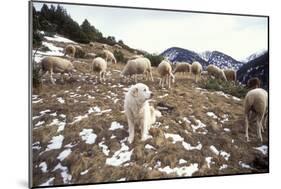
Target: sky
column 155, row 31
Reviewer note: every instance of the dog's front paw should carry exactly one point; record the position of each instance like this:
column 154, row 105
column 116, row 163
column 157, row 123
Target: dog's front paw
column 130, row 140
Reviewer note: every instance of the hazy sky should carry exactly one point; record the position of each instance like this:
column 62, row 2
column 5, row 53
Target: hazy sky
column 155, row 31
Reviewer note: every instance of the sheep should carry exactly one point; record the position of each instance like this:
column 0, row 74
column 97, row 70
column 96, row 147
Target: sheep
column 165, row 71
column 90, row 55
column 230, row 74
column 53, row 65
column 256, row 101
column 136, row 56
column 196, row 69
column 138, row 66
column 182, row 68
column 99, row 65
column 91, row 44
column 70, row 50
column 254, row 83
column 117, row 46
column 216, row 72
column 109, row 56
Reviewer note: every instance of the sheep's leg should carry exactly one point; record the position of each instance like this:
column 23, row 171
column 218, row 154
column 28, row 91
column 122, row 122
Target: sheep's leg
column 151, row 77
column 265, row 121
column 51, row 76
column 160, row 82
column 259, row 128
column 169, row 81
column 131, row 131
column 144, row 132
column 247, row 127
column 100, row 77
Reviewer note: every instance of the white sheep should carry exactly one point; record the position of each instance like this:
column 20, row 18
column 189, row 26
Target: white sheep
column 165, row 71
column 53, row 65
column 182, row 67
column 136, row 56
column 70, row 50
column 216, row 72
column 230, row 74
column 256, row 102
column 138, row 66
column 196, row 69
column 99, row 65
column 109, row 56
column 117, row 46
column 91, row 44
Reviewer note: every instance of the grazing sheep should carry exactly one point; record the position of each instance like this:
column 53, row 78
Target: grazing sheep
column 136, row 56
column 253, row 83
column 138, row 66
column 117, row 46
column 53, row 64
column 182, row 68
column 256, row 102
column 230, row 74
column 165, row 71
column 90, row 55
column 91, row 44
column 99, row 65
column 196, row 69
column 216, row 72
column 70, row 50
column 109, row 56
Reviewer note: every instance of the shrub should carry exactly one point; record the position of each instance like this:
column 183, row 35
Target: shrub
column 224, row 86
column 154, row 59
column 119, row 56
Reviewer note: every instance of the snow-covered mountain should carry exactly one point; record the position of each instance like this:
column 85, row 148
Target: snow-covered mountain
column 255, row 55
column 223, row 61
column 176, row 54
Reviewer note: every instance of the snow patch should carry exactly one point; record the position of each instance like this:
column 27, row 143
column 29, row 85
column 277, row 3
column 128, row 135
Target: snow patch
column 115, row 125
column 64, row 173
column 44, row 167
column 181, row 171
column 88, row 136
column 263, row 149
column 49, row 182
column 64, row 154
column 119, row 157
column 55, row 143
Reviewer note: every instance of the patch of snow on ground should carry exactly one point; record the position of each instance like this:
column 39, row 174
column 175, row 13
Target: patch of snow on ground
column 226, row 129
column 105, row 149
column 36, row 145
column 163, row 96
column 209, row 161
column 263, row 149
column 222, row 94
column 213, row 115
column 79, row 118
column 48, row 182
column 64, row 173
column 186, row 120
column 88, row 136
column 244, row 165
column 122, row 179
column 182, row 161
column 235, row 98
column 149, row 147
column 84, row 172
column 59, row 39
column 224, row 166
column 94, row 110
column 70, row 145
column 39, row 123
column 60, row 124
column 175, row 137
column 55, row 143
column 214, row 150
column 61, row 100
column 188, row 146
column 64, row 154
column 44, row 167
column 119, row 157
column 198, row 126
column 37, row 101
column 181, row 171
column 115, row 125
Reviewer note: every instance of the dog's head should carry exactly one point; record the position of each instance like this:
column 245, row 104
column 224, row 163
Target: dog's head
column 140, row 92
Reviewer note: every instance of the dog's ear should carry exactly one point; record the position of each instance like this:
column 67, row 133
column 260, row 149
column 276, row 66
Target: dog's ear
column 135, row 92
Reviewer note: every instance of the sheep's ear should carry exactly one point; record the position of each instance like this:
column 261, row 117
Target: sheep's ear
column 135, row 92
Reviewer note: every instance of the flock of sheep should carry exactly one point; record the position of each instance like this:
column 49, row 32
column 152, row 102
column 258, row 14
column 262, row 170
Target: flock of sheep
column 256, row 100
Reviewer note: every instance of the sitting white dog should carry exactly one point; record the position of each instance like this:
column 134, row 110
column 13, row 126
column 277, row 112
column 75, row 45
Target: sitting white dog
column 138, row 111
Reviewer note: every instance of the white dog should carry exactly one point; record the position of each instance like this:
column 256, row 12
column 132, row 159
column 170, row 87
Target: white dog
column 138, row 111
